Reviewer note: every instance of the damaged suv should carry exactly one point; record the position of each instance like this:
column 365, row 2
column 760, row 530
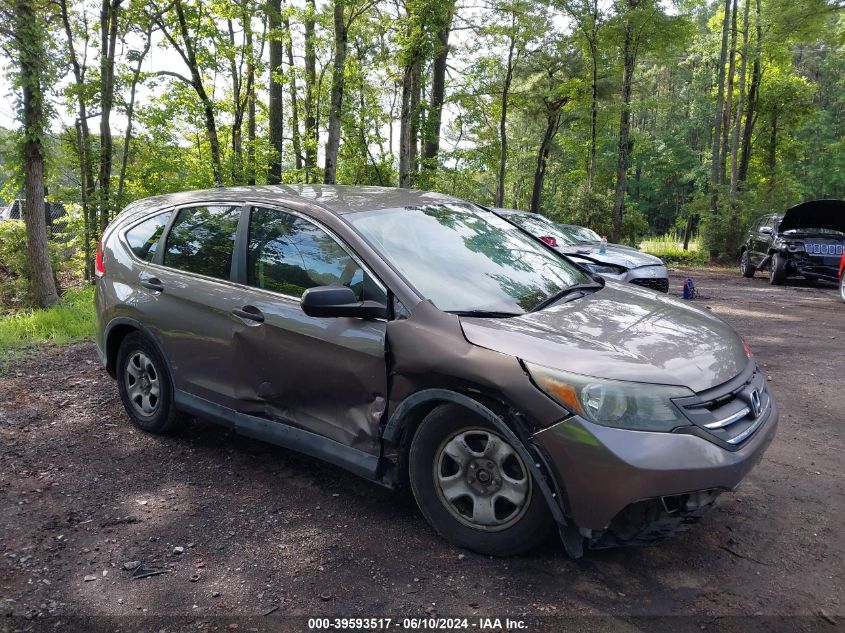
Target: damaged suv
column 420, row 340
column 807, row 241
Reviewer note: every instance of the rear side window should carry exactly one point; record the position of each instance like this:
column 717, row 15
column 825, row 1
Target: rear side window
column 143, row 238
column 202, row 240
column 288, row 254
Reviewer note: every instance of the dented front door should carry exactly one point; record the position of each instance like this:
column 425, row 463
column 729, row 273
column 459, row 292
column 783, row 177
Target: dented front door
column 325, row 375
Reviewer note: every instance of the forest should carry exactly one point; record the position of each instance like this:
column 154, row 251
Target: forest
column 633, row 117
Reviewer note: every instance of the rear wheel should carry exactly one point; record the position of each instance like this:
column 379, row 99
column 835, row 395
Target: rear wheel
column 745, row 267
column 144, row 384
column 473, row 487
column 777, row 270
column 842, row 286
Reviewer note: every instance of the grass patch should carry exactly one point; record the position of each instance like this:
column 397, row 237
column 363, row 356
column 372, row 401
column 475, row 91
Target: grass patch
column 671, row 251
column 72, row 319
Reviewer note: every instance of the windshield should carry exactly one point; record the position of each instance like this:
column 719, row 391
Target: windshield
column 465, row 259
column 580, row 233
column 540, row 227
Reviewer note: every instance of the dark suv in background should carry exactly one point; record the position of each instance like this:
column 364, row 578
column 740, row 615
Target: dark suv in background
column 808, row 240
column 417, row 339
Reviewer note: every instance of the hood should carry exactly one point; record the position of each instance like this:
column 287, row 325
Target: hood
column 816, row 214
column 616, row 254
column 620, row 332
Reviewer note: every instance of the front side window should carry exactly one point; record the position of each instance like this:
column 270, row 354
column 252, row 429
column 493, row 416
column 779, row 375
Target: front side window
column 288, row 254
column 202, row 240
column 466, row 259
column 143, row 238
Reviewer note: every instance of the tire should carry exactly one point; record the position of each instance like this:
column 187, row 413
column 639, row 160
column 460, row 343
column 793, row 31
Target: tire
column 448, row 459
column 143, row 380
column 842, row 286
column 777, row 270
column 745, row 267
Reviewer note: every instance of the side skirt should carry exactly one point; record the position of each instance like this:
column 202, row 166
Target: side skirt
column 282, row 434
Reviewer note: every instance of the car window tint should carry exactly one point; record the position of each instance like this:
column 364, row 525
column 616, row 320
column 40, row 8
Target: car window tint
column 143, row 238
column 202, row 240
column 289, row 254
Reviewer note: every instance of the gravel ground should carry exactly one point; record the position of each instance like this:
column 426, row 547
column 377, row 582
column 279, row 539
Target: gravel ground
column 258, row 538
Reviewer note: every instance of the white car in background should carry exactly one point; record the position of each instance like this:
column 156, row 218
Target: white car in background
column 583, row 245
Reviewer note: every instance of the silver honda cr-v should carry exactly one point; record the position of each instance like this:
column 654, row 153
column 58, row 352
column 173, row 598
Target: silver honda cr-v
column 416, row 339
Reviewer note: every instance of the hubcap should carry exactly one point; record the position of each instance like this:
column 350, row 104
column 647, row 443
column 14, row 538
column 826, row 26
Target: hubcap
column 481, row 480
column 142, row 384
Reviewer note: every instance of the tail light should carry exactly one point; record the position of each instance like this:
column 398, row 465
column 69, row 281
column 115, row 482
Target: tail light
column 546, row 239
column 99, row 266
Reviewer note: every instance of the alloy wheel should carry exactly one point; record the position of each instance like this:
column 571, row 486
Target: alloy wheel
column 142, row 384
column 481, row 480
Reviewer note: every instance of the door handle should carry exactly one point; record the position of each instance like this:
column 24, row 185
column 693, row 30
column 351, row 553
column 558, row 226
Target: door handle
column 251, row 313
column 152, row 283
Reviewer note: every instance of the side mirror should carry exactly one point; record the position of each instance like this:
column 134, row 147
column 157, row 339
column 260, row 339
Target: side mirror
column 339, row 301
column 767, row 230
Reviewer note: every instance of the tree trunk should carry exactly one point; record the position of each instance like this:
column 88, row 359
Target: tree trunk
column 250, row 102
column 431, row 145
column 594, row 100
column 405, row 124
column 83, row 148
column 108, row 41
column 311, row 132
column 731, row 242
column 275, row 107
column 196, row 80
column 294, row 105
column 130, row 115
column 503, row 119
column 739, row 106
column 753, row 93
column 727, row 119
column 336, row 99
column 624, row 126
column 552, row 125
column 29, row 41
column 715, row 179
column 413, row 132
column 772, row 159
column 238, row 107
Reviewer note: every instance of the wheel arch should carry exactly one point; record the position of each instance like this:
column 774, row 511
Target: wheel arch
column 116, row 331
column 407, row 417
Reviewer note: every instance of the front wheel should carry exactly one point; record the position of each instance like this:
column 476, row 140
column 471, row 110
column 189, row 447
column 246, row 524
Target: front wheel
column 745, row 267
column 842, row 286
column 777, row 270
column 473, row 487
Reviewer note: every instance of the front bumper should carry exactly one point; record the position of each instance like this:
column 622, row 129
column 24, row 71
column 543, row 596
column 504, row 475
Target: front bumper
column 600, row 471
column 655, row 277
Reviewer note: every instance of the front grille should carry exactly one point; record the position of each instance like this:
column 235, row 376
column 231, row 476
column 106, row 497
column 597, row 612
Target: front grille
column 731, row 412
column 660, row 285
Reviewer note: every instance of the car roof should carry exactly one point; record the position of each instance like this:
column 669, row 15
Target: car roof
column 337, row 199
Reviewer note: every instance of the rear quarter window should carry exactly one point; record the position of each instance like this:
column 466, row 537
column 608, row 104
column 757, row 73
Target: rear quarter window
column 143, row 238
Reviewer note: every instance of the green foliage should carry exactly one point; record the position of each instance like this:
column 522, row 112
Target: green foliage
column 71, row 320
column 671, row 250
column 14, row 268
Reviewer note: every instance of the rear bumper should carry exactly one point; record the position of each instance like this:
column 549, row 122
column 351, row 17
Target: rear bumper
column 601, row 470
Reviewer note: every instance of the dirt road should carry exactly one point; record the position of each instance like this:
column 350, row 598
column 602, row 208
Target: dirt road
column 82, row 494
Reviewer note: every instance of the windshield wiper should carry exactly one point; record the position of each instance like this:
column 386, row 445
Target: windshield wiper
column 581, row 289
column 492, row 314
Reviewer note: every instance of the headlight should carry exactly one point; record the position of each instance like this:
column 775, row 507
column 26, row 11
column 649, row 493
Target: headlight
column 621, row 404
column 605, row 269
